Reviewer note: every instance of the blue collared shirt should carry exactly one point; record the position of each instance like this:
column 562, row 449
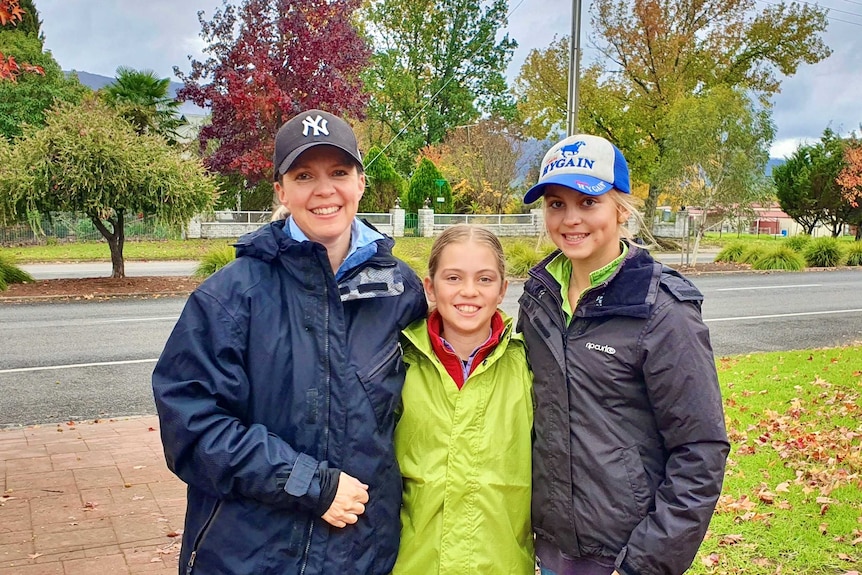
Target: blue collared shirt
column 363, row 243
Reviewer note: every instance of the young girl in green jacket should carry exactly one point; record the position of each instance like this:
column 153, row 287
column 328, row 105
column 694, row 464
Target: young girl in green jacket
column 463, row 437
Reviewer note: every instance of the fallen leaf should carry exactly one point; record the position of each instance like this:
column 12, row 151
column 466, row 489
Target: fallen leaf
column 731, row 539
column 711, row 560
column 783, row 487
column 823, row 528
column 34, row 555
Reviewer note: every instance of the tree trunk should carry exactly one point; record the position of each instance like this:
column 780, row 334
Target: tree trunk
column 859, row 232
column 115, row 241
column 649, row 207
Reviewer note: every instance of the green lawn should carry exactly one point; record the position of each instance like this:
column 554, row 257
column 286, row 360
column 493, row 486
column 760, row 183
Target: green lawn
column 792, row 497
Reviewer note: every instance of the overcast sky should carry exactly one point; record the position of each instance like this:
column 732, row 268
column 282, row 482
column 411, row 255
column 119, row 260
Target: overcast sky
column 98, row 36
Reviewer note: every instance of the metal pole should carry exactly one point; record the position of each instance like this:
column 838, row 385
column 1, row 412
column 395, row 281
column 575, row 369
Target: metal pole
column 574, row 68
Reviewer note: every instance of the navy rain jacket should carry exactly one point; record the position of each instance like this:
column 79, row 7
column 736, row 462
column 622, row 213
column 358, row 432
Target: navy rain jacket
column 274, row 378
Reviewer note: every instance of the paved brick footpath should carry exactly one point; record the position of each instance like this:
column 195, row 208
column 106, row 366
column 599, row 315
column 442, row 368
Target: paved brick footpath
column 93, row 498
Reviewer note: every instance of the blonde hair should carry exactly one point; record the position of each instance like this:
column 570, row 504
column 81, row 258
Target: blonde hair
column 631, row 204
column 463, row 233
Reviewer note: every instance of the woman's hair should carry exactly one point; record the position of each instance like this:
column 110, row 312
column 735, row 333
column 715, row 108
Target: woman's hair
column 463, row 233
column 279, row 212
column 631, row 204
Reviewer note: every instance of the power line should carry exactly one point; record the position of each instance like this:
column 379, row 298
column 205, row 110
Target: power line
column 831, row 18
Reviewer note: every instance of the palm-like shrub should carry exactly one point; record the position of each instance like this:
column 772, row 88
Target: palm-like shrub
column 522, row 255
column 798, row 242
column 12, row 274
column 823, row 253
column 853, row 254
column 214, row 261
column 779, row 258
column 751, row 254
column 731, row 252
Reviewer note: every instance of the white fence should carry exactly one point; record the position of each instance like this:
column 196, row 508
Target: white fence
column 232, row 224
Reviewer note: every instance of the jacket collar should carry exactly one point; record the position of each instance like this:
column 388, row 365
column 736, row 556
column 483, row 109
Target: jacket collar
column 631, row 290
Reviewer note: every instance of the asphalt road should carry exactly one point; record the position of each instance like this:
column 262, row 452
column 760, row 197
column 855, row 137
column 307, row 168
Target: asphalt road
column 93, row 359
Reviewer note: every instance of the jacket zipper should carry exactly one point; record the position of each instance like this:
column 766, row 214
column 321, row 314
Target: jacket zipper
column 200, row 538
column 326, row 417
column 380, row 365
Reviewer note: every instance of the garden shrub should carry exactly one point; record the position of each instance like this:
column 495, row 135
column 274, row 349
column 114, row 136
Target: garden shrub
column 798, row 242
column 12, row 274
column 853, row 254
column 214, row 261
column 732, row 252
column 823, row 253
column 780, row 258
column 523, row 255
column 751, row 254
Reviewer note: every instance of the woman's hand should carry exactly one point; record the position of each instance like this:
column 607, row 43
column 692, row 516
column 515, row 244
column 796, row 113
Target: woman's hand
column 349, row 503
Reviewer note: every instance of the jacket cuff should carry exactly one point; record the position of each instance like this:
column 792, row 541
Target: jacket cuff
column 328, row 488
column 300, row 478
column 620, row 563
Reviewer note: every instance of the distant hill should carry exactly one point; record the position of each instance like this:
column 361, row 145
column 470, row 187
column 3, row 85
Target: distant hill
column 772, row 163
column 97, row 82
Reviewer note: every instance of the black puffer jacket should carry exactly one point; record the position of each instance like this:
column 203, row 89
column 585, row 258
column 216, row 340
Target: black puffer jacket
column 630, row 445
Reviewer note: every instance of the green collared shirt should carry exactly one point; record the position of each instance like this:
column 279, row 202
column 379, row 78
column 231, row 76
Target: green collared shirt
column 560, row 269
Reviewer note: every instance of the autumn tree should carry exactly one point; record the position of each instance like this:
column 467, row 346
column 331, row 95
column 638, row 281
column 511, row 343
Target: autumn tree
column 267, row 61
column 383, row 185
column 426, row 185
column 483, row 161
column 24, row 97
column 11, row 16
column 144, row 100
column 437, row 65
column 88, row 159
column 20, row 15
column 718, row 147
column 654, row 53
column 850, row 181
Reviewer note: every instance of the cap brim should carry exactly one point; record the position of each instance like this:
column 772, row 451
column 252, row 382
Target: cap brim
column 288, row 161
column 584, row 184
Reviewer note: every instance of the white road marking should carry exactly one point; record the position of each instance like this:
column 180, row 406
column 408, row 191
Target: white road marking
column 74, row 365
column 797, row 314
column 768, row 287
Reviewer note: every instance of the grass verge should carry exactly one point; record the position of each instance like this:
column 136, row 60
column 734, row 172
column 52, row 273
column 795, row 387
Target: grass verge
column 792, row 496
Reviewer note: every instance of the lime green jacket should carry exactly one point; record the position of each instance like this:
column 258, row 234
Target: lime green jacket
column 465, row 459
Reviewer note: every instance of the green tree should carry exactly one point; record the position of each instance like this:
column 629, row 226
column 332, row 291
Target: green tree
column 806, row 184
column 425, row 185
column 437, row 64
column 88, row 159
column 24, row 101
column 383, row 185
column 143, row 99
column 654, row 53
column 718, row 147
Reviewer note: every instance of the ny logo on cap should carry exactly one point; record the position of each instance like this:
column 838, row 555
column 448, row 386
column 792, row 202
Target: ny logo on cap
column 317, row 124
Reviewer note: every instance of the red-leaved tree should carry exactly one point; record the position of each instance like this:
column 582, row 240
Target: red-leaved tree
column 268, row 60
column 850, row 180
column 12, row 13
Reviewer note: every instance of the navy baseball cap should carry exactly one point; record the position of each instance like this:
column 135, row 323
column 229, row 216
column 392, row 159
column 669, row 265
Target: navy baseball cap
column 587, row 164
column 309, row 129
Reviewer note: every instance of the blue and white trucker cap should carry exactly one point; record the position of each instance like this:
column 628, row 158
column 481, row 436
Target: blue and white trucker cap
column 587, row 164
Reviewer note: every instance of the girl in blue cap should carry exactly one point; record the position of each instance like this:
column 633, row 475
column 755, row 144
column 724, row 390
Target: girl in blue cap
column 630, row 442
